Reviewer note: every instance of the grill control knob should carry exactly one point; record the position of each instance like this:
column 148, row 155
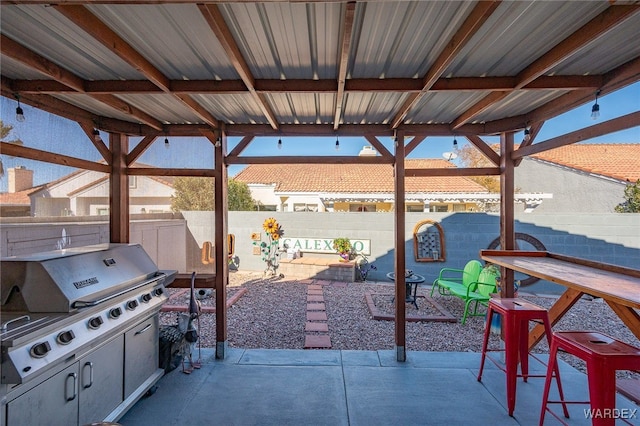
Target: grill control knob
column 145, row 298
column 65, row 337
column 132, row 304
column 158, row 291
column 40, row 349
column 115, row 313
column 95, row 323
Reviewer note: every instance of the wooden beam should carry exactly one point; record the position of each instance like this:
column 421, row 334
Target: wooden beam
column 478, row 16
column 534, row 129
column 507, row 215
column 50, row 157
column 399, row 248
column 118, row 190
column 621, row 123
column 100, row 146
column 413, row 144
column 453, row 171
column 604, row 22
column 486, row 150
column 244, row 142
column 92, row 25
column 67, row 78
column 140, row 148
column 309, row 160
column 214, row 18
column 343, row 59
column 156, row 171
column 221, row 253
column 378, row 146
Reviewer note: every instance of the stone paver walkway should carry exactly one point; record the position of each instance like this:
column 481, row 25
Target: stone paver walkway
column 316, row 328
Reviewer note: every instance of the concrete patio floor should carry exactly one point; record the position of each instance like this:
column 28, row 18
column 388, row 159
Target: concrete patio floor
column 340, row 387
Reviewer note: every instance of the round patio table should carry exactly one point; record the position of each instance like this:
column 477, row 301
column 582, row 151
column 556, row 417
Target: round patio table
column 411, row 283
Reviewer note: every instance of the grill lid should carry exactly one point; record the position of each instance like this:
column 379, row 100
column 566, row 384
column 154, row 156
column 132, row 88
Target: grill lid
column 53, row 281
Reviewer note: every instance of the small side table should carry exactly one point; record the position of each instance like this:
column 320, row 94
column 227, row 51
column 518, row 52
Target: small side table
column 411, row 282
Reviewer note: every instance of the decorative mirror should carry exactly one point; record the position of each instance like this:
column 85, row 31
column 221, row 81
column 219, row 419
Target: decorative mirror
column 428, row 242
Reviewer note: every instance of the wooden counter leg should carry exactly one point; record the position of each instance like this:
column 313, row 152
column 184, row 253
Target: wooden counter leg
column 628, row 316
column 557, row 311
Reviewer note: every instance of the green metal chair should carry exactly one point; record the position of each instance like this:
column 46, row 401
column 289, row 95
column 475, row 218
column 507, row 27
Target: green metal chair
column 458, row 279
column 478, row 292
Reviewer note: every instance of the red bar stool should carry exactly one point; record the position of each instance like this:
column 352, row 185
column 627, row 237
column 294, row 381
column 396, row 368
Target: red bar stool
column 516, row 314
column 603, row 355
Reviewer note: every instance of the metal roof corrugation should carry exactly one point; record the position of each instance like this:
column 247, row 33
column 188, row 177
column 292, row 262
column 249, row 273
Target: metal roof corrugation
column 16, row 70
column 542, row 24
column 279, row 40
column 165, row 107
column 176, row 39
column 45, row 31
column 234, row 109
column 302, row 108
column 517, row 103
column 442, row 107
column 619, row 47
column 402, row 39
column 370, row 108
column 88, row 103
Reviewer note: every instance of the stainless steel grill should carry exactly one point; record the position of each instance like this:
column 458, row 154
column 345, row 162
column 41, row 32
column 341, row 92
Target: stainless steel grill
column 60, row 311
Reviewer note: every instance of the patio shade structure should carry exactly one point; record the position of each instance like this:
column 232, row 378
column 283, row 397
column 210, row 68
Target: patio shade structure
column 408, row 70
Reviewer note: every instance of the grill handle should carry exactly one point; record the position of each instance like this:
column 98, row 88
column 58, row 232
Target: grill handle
column 5, row 326
column 73, row 376
column 90, row 365
column 89, row 303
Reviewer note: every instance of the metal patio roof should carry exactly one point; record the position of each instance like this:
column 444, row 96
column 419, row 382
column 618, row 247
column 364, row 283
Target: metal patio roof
column 315, row 67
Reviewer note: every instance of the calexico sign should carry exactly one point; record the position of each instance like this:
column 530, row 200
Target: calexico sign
column 322, row 245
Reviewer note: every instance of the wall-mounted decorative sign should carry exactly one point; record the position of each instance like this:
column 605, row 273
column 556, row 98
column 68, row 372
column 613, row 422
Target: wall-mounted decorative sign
column 428, row 242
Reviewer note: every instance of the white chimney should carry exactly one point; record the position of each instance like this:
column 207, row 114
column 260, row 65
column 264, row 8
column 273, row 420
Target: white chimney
column 367, row 151
column 20, row 178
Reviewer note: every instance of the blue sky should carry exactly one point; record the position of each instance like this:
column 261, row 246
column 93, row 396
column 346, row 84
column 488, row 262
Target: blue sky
column 45, row 131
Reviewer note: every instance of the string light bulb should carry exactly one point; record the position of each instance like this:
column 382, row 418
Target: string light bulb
column 166, row 143
column 96, row 135
column 279, row 143
column 595, row 109
column 527, row 134
column 337, row 144
column 455, row 143
column 19, row 112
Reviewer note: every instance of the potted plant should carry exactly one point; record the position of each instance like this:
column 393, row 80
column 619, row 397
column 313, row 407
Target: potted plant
column 343, row 246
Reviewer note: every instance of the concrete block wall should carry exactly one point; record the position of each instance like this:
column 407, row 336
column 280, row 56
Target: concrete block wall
column 608, row 237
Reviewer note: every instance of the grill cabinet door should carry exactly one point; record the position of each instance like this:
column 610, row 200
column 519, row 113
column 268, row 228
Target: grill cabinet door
column 141, row 354
column 100, row 384
column 53, row 402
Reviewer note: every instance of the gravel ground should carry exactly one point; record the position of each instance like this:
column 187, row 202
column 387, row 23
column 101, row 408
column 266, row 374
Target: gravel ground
column 272, row 315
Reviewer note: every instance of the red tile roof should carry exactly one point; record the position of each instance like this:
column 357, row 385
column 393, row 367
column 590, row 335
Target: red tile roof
column 20, row 198
column 353, row 178
column 618, row 161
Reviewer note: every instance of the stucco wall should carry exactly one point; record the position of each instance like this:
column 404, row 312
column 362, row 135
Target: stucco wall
column 573, row 191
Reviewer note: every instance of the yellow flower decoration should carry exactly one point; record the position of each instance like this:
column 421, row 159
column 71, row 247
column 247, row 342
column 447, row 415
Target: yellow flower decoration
column 270, row 225
column 275, row 235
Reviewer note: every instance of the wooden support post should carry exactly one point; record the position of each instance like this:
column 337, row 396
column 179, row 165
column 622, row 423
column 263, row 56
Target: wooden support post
column 507, row 218
column 400, row 261
column 118, row 189
column 220, row 243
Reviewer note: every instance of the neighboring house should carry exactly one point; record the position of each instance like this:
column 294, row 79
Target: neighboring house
column 582, row 177
column 86, row 193
column 366, row 187
column 15, row 202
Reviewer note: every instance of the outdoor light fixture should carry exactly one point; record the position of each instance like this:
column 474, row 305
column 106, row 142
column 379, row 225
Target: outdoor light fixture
column 218, row 143
column 595, row 109
column 96, row 135
column 166, row 142
column 337, row 144
column 527, row 134
column 279, row 143
column 19, row 112
column 455, row 143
